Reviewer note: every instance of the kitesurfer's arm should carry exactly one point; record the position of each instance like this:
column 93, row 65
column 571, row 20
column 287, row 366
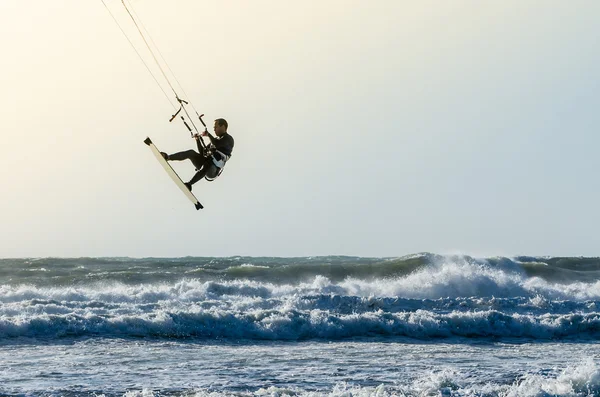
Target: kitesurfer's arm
column 213, row 139
column 224, row 143
column 209, row 135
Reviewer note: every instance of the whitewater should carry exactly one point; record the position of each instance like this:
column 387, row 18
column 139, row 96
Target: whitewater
column 423, row 324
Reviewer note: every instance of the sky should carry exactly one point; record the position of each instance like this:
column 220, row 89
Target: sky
column 370, row 128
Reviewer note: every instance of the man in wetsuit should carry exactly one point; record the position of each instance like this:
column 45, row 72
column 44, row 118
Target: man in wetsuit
column 221, row 147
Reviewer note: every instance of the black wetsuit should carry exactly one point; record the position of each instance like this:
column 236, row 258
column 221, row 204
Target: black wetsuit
column 204, row 165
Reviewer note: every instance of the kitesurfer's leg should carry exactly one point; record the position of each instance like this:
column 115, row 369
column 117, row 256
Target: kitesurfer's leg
column 196, row 158
column 208, row 168
column 198, row 176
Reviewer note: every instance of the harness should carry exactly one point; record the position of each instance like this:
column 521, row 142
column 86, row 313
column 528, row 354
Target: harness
column 220, row 163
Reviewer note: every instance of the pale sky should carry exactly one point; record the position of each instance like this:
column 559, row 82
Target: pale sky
column 373, row 128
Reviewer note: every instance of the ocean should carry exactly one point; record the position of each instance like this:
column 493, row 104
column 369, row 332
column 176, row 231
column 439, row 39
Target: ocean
column 419, row 325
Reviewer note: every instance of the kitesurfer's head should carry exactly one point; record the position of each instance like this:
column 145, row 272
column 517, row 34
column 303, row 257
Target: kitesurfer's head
column 220, row 127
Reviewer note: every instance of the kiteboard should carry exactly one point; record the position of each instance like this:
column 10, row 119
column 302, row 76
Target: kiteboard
column 171, row 172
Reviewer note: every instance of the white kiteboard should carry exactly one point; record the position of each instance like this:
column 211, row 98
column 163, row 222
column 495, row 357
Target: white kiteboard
column 171, row 172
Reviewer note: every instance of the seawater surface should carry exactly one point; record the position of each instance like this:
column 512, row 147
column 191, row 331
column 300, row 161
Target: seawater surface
column 418, row 325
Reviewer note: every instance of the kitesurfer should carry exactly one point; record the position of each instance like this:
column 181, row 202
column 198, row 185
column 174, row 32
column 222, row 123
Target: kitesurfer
column 210, row 161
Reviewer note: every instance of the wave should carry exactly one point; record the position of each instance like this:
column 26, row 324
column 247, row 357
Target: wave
column 446, row 281
column 58, row 271
column 214, row 314
column 431, row 297
column 580, row 379
column 294, row 326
